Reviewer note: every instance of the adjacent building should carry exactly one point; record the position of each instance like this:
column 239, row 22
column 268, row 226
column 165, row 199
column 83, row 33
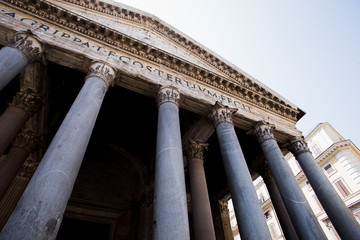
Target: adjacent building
column 339, row 160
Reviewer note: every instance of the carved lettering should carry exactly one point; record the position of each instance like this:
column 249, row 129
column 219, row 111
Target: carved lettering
column 89, row 45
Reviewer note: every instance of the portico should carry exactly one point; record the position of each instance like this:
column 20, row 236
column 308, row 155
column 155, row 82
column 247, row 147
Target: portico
column 115, row 116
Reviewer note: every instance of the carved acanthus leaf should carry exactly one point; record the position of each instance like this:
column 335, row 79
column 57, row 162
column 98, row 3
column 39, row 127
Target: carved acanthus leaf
column 168, row 94
column 263, row 131
column 27, row 101
column 27, row 140
column 298, row 146
column 28, row 44
column 195, row 149
column 222, row 113
column 103, row 71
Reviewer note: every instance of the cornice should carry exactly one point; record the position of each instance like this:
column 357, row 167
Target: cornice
column 332, row 150
column 237, row 84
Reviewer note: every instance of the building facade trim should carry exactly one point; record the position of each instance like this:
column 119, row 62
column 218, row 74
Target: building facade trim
column 241, row 87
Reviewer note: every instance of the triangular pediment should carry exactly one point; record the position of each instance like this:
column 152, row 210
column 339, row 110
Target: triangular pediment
column 149, row 30
column 178, row 48
column 109, row 31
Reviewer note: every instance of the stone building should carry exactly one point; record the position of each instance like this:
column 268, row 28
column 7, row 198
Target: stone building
column 340, row 161
column 106, row 113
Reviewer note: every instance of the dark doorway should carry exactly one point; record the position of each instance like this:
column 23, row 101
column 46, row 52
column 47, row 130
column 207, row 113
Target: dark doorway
column 72, row 229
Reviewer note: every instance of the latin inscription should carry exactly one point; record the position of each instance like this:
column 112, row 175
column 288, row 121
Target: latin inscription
column 118, row 57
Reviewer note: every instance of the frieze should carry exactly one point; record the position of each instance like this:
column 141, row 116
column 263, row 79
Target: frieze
column 187, row 44
column 221, row 114
column 243, row 88
column 28, row 101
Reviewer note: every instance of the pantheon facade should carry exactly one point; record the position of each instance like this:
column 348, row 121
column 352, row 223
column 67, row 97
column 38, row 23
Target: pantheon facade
column 115, row 125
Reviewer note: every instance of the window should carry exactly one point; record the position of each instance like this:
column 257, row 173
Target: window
column 315, row 149
column 262, row 198
column 357, row 215
column 318, row 202
column 329, row 169
column 341, row 187
column 308, row 185
column 267, row 215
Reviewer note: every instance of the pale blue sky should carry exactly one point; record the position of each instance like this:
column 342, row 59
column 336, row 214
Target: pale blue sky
column 307, row 51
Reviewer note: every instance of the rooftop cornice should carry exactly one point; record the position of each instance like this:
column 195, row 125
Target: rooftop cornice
column 237, row 84
column 333, row 149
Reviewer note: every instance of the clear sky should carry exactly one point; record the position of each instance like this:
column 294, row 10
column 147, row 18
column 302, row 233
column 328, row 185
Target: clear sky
column 307, row 51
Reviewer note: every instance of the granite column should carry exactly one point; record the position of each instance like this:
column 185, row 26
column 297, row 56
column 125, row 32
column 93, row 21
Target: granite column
column 202, row 217
column 24, row 104
column 22, row 50
column 170, row 203
column 303, row 218
column 339, row 214
column 24, row 144
column 281, row 212
column 40, row 210
column 249, row 215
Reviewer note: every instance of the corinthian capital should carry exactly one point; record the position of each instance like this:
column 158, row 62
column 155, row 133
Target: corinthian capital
column 224, row 209
column 263, row 131
column 168, row 94
column 298, row 146
column 28, row 44
column 222, row 113
column 103, row 71
column 195, row 149
column 27, row 141
column 27, row 101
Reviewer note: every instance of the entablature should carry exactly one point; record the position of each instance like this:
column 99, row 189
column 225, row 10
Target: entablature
column 74, row 41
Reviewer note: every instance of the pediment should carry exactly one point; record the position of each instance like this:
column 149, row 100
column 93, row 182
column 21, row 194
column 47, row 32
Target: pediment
column 150, row 42
column 147, row 29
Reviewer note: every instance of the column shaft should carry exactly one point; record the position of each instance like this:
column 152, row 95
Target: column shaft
column 22, row 50
column 202, row 217
column 249, row 215
column 303, row 218
column 40, row 210
column 225, row 220
column 281, row 212
column 24, row 104
column 170, row 203
column 24, row 144
column 9, row 167
column 341, row 217
column 11, row 121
